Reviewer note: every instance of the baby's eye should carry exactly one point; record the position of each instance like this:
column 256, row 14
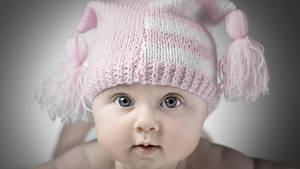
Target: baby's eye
column 171, row 102
column 123, row 101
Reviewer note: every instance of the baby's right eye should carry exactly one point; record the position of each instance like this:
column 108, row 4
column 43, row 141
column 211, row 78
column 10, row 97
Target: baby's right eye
column 123, row 101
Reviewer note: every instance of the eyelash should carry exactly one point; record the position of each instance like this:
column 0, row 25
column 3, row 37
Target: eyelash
column 115, row 97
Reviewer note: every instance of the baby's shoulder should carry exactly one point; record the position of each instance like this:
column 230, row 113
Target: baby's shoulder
column 97, row 157
column 215, row 156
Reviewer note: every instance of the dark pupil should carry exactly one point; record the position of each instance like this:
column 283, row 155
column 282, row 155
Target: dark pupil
column 171, row 102
column 124, row 101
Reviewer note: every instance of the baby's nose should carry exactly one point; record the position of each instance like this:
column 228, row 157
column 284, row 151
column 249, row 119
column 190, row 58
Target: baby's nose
column 145, row 126
column 147, row 120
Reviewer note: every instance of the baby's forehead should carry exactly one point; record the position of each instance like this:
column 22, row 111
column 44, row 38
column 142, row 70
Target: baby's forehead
column 144, row 87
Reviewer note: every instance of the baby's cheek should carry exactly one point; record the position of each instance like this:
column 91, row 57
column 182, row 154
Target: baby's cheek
column 183, row 140
column 112, row 136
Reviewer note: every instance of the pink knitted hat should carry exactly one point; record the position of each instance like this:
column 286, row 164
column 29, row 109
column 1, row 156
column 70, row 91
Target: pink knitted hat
column 157, row 42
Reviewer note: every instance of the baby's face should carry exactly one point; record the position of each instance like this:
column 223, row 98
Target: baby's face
column 168, row 117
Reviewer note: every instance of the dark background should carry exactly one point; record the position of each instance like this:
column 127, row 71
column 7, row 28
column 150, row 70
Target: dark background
column 33, row 34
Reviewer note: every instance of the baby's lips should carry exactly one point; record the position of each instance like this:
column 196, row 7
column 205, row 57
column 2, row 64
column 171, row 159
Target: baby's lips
column 147, row 144
column 146, row 151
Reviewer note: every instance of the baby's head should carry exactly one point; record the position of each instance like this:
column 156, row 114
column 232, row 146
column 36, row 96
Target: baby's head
column 130, row 115
column 154, row 53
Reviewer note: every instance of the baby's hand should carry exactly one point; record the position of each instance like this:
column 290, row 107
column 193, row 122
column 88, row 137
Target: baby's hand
column 216, row 156
column 88, row 155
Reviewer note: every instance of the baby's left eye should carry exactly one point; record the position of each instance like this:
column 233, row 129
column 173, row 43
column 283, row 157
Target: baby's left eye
column 171, row 102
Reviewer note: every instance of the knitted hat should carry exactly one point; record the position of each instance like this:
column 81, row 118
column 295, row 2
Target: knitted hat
column 158, row 42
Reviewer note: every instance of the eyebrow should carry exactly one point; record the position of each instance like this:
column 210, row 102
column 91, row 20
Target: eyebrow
column 130, row 87
column 116, row 88
column 121, row 87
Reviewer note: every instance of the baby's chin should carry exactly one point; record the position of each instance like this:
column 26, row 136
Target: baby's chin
column 160, row 161
column 145, row 164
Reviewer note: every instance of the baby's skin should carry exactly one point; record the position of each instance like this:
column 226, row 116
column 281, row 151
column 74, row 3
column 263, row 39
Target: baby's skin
column 130, row 118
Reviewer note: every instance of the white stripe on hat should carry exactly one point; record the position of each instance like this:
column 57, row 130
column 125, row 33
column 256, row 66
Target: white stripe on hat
column 178, row 28
column 159, row 52
column 154, row 3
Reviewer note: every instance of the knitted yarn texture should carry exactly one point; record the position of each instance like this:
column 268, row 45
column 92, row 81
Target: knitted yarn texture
column 155, row 42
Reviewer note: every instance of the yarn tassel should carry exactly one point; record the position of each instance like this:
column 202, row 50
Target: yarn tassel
column 62, row 95
column 242, row 69
column 216, row 10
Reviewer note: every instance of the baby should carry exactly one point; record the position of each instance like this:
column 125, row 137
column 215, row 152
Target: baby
column 144, row 126
column 149, row 83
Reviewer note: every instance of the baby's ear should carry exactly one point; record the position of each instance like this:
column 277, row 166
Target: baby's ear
column 89, row 19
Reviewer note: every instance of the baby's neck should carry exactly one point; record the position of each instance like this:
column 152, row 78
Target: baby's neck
column 119, row 165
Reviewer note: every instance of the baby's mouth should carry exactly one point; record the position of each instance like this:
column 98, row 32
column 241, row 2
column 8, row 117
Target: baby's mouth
column 146, row 150
column 146, row 146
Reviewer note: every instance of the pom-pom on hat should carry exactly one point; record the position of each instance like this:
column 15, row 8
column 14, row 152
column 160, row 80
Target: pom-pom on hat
column 155, row 42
